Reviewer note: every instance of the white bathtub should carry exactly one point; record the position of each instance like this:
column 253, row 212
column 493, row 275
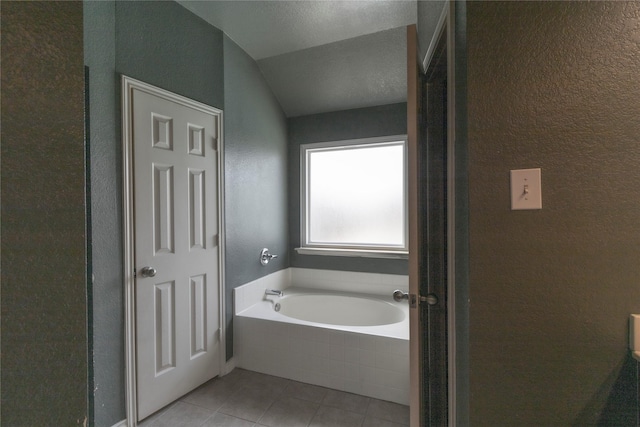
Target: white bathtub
column 339, row 309
column 357, row 343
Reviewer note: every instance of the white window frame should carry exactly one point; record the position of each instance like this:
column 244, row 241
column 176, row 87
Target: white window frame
column 358, row 250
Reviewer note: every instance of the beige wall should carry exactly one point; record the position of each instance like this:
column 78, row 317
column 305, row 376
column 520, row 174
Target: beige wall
column 44, row 299
column 554, row 85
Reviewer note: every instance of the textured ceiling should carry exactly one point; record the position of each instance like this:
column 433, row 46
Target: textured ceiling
column 359, row 72
column 270, row 28
column 323, row 55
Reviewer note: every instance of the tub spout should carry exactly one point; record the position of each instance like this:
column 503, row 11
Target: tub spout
column 273, row 292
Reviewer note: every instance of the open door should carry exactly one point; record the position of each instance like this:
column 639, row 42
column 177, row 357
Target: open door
column 427, row 136
column 415, row 326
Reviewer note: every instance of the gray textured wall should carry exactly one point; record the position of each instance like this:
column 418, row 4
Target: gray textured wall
column 554, row 85
column 44, row 283
column 369, row 122
column 163, row 44
column 255, row 131
column 107, row 329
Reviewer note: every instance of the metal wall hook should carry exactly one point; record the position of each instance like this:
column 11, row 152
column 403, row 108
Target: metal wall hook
column 265, row 256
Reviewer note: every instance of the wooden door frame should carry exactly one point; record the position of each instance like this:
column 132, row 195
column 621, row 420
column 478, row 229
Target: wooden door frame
column 413, row 80
column 446, row 27
column 128, row 85
column 449, row 27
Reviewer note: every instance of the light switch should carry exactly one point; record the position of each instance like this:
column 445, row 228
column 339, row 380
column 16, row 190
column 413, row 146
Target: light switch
column 526, row 189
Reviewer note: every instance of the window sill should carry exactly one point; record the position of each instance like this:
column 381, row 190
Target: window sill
column 363, row 253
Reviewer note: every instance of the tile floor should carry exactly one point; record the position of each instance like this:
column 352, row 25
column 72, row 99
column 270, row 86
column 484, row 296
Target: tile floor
column 250, row 399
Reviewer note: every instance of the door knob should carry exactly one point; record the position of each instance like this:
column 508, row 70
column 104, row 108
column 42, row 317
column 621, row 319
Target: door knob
column 148, row 272
column 398, row 295
column 431, row 299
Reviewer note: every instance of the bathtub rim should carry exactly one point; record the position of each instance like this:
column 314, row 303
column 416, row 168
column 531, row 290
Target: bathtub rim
column 264, row 310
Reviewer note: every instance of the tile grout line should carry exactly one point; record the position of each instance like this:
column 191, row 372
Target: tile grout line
column 272, row 403
column 319, row 406
column 315, row 413
column 366, row 411
column 264, row 381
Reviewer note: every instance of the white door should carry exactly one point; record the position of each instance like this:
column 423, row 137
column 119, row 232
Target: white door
column 177, row 262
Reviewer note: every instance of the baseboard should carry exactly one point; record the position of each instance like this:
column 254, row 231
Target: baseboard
column 229, row 366
column 122, row 423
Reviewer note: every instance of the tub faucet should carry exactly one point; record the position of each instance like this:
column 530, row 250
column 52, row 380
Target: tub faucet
column 273, row 292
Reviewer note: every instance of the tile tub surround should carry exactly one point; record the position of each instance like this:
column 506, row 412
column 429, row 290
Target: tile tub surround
column 364, row 364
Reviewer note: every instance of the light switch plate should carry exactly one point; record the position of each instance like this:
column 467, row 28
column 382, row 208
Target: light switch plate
column 526, row 189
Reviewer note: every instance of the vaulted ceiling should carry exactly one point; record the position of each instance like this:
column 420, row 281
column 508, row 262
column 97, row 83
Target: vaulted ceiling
column 321, row 55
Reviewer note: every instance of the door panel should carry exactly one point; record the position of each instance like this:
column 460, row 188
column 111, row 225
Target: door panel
column 416, row 335
column 176, row 233
column 426, row 109
column 434, row 224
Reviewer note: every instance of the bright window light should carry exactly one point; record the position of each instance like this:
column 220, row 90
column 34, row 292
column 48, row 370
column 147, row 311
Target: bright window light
column 355, row 195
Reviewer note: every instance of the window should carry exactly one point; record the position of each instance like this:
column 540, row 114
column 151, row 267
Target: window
column 354, row 197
